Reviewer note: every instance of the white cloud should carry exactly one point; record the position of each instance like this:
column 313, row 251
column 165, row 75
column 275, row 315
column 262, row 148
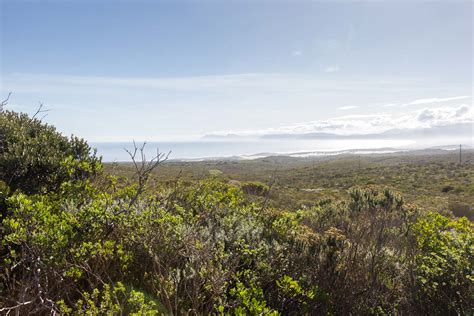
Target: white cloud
column 437, row 100
column 166, row 107
column 374, row 123
column 445, row 115
column 426, row 101
column 350, row 107
column 247, row 82
column 331, row 68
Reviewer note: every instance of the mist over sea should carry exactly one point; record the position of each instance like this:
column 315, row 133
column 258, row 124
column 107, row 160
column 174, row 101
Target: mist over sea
column 249, row 149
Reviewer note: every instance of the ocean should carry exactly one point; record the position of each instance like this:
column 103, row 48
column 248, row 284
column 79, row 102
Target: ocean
column 250, row 149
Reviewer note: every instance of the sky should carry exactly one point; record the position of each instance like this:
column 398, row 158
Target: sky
column 179, row 70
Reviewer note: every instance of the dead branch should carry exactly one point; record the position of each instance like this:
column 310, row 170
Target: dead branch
column 5, row 102
column 144, row 167
column 40, row 111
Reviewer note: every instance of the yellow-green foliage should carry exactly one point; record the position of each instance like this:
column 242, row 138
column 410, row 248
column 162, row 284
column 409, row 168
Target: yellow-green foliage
column 88, row 246
column 444, row 264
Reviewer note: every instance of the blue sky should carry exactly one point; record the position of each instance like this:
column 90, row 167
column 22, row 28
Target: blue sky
column 152, row 70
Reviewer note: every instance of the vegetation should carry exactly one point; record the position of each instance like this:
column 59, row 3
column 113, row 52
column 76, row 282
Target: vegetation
column 433, row 180
column 78, row 240
column 37, row 159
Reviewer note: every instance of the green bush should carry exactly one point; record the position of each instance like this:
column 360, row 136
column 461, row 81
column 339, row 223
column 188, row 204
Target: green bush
column 37, row 159
column 204, row 248
column 444, row 265
column 74, row 246
column 255, row 188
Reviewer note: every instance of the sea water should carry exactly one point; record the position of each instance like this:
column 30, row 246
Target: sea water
column 248, row 149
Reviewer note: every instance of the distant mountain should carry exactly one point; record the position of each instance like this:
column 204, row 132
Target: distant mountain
column 456, row 130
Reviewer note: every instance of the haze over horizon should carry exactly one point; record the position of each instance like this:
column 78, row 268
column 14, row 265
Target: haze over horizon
column 179, row 71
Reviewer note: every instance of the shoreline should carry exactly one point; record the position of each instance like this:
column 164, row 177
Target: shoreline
column 304, row 155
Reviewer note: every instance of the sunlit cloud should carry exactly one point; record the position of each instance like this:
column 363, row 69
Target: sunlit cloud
column 427, row 101
column 374, row 123
column 163, row 108
column 437, row 100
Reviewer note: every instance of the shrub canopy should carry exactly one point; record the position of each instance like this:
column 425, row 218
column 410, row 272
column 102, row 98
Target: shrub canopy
column 73, row 246
column 35, row 158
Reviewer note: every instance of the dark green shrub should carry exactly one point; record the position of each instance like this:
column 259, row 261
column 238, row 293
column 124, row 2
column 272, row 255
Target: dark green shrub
column 447, row 188
column 36, row 158
column 255, row 188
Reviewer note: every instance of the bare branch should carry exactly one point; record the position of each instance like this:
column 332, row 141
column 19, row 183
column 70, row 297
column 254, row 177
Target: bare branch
column 8, row 309
column 40, row 111
column 143, row 169
column 5, row 102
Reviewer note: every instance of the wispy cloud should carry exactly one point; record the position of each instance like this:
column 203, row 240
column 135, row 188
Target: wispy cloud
column 437, row 100
column 245, row 84
column 261, row 82
column 427, row 101
column 169, row 107
column 374, row 123
column 331, row 68
column 349, row 107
